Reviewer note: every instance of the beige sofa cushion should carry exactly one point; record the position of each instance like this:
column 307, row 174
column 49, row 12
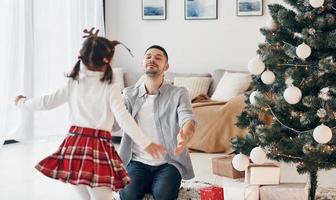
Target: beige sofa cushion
column 231, row 85
column 194, row 85
column 171, row 75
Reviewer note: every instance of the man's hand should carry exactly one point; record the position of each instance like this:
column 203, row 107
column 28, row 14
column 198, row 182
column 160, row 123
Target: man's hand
column 182, row 140
column 156, row 150
column 17, row 99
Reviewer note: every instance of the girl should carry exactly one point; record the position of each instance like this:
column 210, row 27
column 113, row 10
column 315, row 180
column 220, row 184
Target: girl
column 87, row 157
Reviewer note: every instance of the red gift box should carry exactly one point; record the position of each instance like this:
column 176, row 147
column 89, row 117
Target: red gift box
column 212, row 193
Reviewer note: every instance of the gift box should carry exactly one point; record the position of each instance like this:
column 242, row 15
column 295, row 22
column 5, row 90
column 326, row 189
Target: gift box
column 289, row 174
column 238, row 190
column 284, row 191
column 222, row 166
column 265, row 174
column 212, row 193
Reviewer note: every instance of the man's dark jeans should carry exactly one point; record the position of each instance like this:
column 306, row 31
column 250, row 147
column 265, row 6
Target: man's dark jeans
column 163, row 182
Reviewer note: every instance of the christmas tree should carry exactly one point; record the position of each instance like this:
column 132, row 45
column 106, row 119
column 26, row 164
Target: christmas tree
column 291, row 112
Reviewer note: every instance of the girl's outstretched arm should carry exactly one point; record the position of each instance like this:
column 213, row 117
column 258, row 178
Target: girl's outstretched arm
column 45, row 102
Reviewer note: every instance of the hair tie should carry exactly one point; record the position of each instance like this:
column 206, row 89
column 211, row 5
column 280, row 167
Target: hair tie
column 106, row 61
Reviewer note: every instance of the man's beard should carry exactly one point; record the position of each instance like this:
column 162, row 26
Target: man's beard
column 152, row 73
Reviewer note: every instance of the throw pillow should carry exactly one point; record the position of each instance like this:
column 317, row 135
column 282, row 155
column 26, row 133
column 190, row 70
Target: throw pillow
column 194, row 85
column 231, row 85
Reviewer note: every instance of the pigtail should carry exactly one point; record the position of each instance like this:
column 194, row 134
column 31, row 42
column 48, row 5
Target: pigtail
column 75, row 71
column 108, row 75
column 115, row 43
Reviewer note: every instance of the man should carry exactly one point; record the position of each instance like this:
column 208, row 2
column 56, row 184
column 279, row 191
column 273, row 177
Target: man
column 163, row 112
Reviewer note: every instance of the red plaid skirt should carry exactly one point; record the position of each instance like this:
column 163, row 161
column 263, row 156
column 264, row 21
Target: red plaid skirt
column 86, row 156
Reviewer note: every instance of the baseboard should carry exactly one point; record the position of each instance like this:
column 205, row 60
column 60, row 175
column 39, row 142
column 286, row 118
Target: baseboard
column 115, row 139
column 10, row 141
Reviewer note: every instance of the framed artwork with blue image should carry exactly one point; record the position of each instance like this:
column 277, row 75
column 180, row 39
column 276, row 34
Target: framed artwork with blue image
column 249, row 7
column 154, row 9
column 200, row 9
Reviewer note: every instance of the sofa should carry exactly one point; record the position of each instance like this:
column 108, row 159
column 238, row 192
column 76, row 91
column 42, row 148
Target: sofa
column 215, row 108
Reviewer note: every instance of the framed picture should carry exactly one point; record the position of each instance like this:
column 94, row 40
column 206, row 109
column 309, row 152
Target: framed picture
column 153, row 9
column 200, row 9
column 249, row 7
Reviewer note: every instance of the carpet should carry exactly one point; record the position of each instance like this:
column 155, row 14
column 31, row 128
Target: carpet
column 190, row 191
column 326, row 194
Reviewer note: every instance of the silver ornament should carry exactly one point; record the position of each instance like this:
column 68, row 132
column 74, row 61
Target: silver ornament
column 303, row 51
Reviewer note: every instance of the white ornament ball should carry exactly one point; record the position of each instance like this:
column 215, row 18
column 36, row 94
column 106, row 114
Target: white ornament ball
column 268, row 77
column 303, row 51
column 252, row 95
column 258, row 155
column 256, row 66
column 316, row 3
column 292, row 95
column 271, row 24
column 240, row 162
column 322, row 134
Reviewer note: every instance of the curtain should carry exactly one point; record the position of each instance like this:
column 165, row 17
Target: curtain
column 40, row 42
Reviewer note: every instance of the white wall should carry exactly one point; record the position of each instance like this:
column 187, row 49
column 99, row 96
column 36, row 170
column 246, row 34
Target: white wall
column 193, row 45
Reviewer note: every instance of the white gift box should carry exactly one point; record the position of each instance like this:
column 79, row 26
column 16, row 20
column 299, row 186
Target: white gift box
column 284, row 191
column 289, row 174
column 265, row 174
column 238, row 190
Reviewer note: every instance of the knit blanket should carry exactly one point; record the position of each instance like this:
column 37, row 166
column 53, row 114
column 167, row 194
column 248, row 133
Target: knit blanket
column 216, row 124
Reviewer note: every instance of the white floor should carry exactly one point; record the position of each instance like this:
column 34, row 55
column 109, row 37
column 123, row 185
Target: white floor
column 20, row 181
